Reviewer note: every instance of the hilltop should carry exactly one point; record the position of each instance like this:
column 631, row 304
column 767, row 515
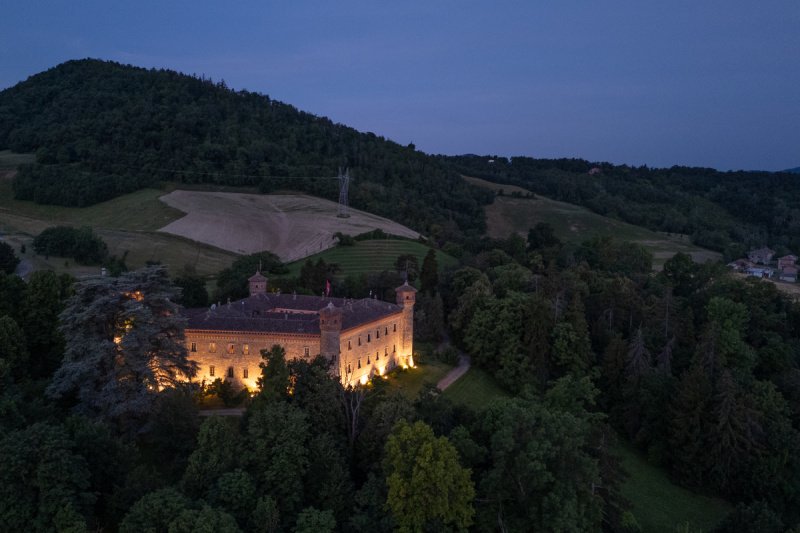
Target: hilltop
column 101, row 129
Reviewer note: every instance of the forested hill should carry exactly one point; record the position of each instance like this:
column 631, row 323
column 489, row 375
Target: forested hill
column 725, row 211
column 100, row 129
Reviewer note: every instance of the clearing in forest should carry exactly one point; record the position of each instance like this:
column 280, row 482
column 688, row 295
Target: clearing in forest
column 292, row 226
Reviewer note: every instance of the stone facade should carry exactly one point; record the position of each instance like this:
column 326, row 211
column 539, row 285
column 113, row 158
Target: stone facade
column 362, row 338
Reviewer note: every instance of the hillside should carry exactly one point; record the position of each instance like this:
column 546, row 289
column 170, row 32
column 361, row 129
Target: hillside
column 795, row 170
column 572, row 223
column 101, row 129
column 722, row 211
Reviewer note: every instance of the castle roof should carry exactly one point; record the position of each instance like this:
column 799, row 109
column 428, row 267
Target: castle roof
column 257, row 277
column 405, row 287
column 285, row 313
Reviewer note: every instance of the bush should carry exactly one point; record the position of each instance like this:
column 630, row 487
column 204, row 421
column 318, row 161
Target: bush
column 80, row 244
column 8, row 260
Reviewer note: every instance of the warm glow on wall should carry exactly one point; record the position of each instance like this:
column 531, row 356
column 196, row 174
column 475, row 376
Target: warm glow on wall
column 411, row 361
column 364, row 379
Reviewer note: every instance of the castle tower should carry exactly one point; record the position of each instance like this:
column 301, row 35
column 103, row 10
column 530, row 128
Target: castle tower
column 406, row 297
column 330, row 326
column 257, row 283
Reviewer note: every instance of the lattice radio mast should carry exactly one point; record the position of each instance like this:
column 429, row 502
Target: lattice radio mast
column 344, row 182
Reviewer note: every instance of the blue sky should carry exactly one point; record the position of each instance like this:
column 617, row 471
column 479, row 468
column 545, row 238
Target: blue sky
column 711, row 83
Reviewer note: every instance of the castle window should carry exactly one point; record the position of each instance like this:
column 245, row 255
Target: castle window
column 377, row 356
column 368, row 361
column 385, row 350
column 394, row 348
column 245, row 373
column 212, row 347
column 386, row 330
column 230, row 371
column 211, row 371
column 369, row 337
column 394, row 327
column 359, row 362
column 349, row 346
column 349, row 369
column 194, row 346
column 231, row 347
column 359, row 341
column 305, row 351
column 377, row 334
column 246, row 350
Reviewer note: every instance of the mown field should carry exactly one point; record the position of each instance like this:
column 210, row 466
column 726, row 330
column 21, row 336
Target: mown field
column 365, row 257
column 572, row 223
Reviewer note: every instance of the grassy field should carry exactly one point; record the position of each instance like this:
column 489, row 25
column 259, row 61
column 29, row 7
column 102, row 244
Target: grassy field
column 138, row 211
column 130, row 223
column 573, row 223
column 372, row 256
column 658, row 504
column 9, row 160
column 410, row 381
column 474, row 389
column 127, row 224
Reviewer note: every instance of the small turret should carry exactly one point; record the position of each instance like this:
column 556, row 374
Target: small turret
column 406, row 295
column 257, row 283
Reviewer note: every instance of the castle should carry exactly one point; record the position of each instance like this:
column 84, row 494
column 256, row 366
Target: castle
column 361, row 338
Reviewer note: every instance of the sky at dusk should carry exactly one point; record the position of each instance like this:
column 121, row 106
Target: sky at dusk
column 712, row 83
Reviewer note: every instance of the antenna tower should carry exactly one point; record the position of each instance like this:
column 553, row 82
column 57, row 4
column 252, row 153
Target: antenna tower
column 344, row 182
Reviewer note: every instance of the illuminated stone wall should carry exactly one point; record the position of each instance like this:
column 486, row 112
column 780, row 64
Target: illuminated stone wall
column 296, row 346
column 372, row 348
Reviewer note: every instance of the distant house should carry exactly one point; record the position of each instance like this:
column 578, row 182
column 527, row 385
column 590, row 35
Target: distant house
column 787, row 261
column 762, row 255
column 740, row 265
column 789, row 274
column 760, row 272
column 594, row 170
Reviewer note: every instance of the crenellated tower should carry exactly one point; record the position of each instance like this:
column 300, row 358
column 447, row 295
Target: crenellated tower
column 406, row 297
column 330, row 328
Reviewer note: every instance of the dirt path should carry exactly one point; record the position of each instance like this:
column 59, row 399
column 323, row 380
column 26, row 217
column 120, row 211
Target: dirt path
column 452, row 376
column 233, row 411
